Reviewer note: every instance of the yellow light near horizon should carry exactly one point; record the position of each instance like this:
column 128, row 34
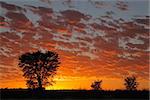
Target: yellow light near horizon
column 84, row 84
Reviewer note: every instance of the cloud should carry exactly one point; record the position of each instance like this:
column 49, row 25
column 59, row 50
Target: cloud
column 99, row 4
column 122, row 5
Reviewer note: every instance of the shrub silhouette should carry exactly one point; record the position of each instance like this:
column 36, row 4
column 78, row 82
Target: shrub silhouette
column 96, row 85
column 131, row 83
column 37, row 67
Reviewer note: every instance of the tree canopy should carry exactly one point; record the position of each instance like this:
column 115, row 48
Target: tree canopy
column 131, row 83
column 39, row 68
column 96, row 85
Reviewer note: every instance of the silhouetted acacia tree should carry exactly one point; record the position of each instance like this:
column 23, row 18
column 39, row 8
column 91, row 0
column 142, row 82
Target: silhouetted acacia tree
column 131, row 83
column 38, row 66
column 96, row 85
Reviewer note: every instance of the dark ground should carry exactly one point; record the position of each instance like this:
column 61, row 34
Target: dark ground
column 25, row 94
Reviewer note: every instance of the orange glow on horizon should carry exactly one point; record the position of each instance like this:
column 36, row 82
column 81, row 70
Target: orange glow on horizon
column 79, row 83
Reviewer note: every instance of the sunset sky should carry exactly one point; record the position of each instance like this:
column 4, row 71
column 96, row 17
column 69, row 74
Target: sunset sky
column 96, row 40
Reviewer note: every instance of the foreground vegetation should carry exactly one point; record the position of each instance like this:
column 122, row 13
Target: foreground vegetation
column 72, row 94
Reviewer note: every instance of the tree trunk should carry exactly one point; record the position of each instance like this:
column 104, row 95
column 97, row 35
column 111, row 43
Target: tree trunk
column 39, row 83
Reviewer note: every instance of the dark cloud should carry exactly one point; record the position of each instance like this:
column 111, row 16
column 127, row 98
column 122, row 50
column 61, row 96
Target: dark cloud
column 73, row 16
column 11, row 7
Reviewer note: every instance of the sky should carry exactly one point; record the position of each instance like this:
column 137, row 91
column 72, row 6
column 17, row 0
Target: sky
column 96, row 40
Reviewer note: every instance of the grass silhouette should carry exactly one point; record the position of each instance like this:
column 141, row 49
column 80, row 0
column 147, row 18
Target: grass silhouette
column 73, row 94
